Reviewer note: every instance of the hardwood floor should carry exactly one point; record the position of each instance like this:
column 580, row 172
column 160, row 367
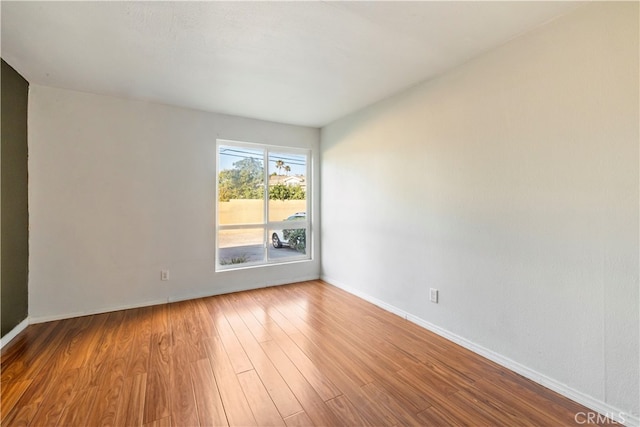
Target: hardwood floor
column 295, row 355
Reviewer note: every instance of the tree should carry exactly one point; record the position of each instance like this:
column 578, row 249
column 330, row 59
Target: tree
column 297, row 239
column 287, row 169
column 278, row 192
column 244, row 181
column 286, row 192
column 279, row 165
column 296, row 192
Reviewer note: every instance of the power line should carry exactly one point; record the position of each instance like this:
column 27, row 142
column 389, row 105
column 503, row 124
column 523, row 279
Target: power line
column 272, row 159
column 251, row 154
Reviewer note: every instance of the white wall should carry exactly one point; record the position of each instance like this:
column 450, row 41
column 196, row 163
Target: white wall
column 511, row 185
column 120, row 190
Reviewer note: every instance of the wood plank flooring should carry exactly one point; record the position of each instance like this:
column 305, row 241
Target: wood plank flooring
column 296, row 355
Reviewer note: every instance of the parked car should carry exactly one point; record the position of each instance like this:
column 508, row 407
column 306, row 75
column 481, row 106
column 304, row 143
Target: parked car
column 279, row 238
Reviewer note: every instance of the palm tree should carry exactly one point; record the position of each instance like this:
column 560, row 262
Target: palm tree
column 287, row 169
column 279, row 165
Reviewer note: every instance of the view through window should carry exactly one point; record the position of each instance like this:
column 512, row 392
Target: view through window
column 263, row 205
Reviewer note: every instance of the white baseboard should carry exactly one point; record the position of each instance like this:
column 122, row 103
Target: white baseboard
column 50, row 318
column 170, row 299
column 590, row 402
column 14, row 332
column 232, row 289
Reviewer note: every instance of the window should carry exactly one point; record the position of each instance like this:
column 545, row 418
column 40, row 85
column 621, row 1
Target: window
column 263, row 205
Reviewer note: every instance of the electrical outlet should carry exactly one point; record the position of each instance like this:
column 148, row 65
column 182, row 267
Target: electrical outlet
column 164, row 275
column 433, row 295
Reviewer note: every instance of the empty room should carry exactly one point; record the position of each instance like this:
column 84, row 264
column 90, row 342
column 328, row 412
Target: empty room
column 320, row 213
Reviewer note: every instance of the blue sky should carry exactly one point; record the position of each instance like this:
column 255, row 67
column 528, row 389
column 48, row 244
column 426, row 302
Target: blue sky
column 230, row 154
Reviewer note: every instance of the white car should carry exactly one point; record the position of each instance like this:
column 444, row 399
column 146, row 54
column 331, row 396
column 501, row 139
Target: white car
column 280, row 238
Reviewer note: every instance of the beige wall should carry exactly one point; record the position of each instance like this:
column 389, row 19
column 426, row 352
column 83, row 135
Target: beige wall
column 511, row 185
column 252, row 211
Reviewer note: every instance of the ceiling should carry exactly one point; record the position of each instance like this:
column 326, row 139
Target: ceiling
column 305, row 63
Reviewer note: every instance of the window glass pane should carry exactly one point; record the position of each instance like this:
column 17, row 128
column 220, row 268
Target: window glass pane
column 287, row 243
column 262, row 207
column 287, row 185
column 241, row 246
column 240, row 185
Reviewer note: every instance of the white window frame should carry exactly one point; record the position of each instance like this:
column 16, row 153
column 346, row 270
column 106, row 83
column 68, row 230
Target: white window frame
column 266, row 225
